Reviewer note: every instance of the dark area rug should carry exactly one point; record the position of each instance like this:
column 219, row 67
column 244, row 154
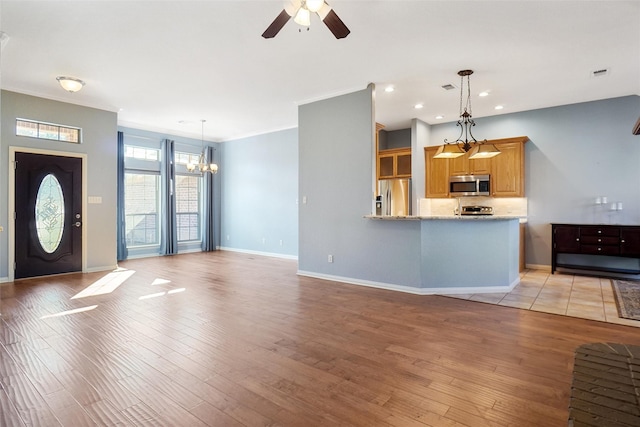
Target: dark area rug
column 605, row 386
column 627, row 293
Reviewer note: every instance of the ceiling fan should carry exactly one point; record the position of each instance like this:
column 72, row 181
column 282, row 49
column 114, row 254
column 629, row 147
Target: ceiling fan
column 301, row 11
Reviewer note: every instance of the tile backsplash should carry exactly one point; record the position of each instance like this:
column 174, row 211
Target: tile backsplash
column 516, row 206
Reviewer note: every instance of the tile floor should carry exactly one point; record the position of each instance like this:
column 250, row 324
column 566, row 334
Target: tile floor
column 565, row 294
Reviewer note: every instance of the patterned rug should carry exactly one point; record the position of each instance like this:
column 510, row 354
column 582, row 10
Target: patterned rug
column 627, row 293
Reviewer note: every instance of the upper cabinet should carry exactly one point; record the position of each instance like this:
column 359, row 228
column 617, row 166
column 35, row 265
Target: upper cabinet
column 393, row 158
column 437, row 174
column 394, row 163
column 506, row 169
column 464, row 166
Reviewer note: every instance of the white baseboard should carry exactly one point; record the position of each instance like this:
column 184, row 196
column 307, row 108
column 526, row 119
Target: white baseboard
column 4, row 279
column 411, row 289
column 269, row 254
column 103, row 268
column 538, row 267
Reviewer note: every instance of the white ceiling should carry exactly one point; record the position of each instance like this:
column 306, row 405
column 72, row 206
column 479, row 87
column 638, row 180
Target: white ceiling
column 159, row 62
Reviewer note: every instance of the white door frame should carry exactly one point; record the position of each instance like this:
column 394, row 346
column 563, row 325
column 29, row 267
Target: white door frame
column 12, row 202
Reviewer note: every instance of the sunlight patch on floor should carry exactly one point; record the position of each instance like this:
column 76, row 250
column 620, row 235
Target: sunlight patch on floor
column 106, row 284
column 161, row 294
column 68, row 312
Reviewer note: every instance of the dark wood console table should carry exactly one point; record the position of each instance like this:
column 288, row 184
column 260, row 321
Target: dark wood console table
column 598, row 247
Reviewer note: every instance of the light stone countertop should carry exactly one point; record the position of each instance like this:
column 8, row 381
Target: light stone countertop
column 448, row 217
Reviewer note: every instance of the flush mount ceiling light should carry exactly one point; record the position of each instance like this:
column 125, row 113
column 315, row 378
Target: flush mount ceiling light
column 203, row 165
column 70, row 84
column 460, row 146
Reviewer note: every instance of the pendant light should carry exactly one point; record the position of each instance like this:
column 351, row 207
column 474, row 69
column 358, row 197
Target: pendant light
column 457, row 148
column 202, row 165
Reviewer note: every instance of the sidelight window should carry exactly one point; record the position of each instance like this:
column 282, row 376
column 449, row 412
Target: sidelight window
column 188, row 207
column 142, row 223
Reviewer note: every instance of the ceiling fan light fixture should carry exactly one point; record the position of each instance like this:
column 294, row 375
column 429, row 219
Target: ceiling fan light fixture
column 303, row 17
column 70, row 84
column 314, row 5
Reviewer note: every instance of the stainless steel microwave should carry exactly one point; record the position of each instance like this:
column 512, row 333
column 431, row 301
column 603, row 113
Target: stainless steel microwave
column 469, row 185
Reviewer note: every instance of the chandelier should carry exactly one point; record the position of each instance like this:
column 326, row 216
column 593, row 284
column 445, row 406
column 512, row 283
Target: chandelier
column 202, row 165
column 457, row 148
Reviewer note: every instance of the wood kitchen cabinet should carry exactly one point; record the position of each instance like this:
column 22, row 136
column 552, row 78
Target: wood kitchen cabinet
column 464, row 166
column 603, row 245
column 436, row 174
column 506, row 169
column 394, row 163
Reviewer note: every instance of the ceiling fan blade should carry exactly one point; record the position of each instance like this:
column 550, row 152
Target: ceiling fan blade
column 276, row 25
column 333, row 22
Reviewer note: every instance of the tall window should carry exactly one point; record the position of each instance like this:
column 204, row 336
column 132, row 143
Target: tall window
column 141, row 209
column 188, row 207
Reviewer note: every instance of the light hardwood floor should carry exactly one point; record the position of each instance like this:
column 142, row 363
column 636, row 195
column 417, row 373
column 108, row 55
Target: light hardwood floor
column 227, row 339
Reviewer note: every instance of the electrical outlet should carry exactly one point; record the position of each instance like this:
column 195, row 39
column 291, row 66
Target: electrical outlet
column 264, row 240
column 330, row 258
column 280, row 242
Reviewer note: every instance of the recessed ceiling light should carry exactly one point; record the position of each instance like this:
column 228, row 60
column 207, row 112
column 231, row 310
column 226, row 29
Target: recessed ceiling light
column 485, row 93
column 439, row 117
column 418, row 106
column 498, row 107
column 389, row 89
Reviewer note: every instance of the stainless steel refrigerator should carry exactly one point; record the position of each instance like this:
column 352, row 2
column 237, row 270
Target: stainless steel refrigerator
column 395, row 195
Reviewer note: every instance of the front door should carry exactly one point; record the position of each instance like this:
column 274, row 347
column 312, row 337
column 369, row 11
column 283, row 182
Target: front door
column 48, row 222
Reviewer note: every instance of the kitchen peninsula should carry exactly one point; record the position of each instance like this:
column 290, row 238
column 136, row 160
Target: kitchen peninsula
column 467, row 254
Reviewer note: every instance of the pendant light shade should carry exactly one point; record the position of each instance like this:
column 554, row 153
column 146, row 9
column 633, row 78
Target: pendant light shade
column 449, row 151
column 483, row 151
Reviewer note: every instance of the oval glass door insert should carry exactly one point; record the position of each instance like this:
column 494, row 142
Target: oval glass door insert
column 50, row 213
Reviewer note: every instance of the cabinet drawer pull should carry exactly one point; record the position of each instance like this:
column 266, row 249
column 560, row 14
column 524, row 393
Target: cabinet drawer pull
column 577, row 239
column 622, row 241
column 599, row 240
column 599, row 249
column 599, row 231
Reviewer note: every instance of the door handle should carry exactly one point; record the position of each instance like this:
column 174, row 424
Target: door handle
column 77, row 224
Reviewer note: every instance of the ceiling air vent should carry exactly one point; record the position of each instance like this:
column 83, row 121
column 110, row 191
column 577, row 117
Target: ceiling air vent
column 600, row 72
column 448, row 86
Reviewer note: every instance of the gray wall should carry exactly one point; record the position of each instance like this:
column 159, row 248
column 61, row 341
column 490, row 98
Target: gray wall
column 260, row 194
column 420, row 137
column 575, row 154
column 99, row 144
column 336, row 179
column 388, row 140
